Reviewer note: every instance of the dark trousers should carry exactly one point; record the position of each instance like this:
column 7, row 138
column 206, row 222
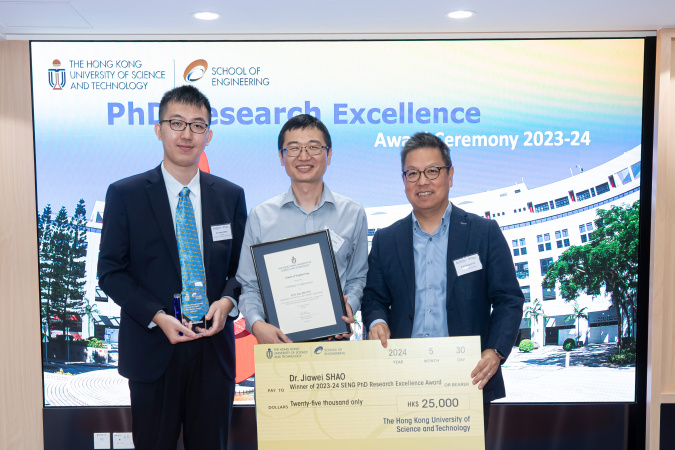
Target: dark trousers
column 193, row 392
column 486, row 416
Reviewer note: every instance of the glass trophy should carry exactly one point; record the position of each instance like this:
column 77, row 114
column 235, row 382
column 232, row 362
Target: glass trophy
column 186, row 307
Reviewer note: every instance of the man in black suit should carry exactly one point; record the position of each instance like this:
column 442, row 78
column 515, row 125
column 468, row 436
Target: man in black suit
column 442, row 271
column 178, row 375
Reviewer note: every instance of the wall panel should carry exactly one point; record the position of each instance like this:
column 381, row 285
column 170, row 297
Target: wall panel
column 20, row 366
column 661, row 357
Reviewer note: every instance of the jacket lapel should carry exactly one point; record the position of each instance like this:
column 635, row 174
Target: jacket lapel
column 458, row 239
column 208, row 216
column 404, row 242
column 159, row 203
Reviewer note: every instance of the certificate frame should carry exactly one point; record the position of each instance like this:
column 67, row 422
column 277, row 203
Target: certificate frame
column 271, row 305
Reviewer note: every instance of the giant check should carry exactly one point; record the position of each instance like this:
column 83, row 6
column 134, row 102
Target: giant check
column 417, row 393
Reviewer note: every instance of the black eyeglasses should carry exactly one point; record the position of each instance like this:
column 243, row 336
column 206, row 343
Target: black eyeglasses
column 433, row 172
column 180, row 125
column 312, row 150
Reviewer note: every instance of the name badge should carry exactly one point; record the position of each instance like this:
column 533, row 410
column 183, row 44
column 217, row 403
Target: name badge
column 221, row 232
column 467, row 264
column 336, row 240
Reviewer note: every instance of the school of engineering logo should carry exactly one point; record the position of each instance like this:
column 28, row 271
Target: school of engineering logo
column 318, row 350
column 57, row 76
column 195, row 70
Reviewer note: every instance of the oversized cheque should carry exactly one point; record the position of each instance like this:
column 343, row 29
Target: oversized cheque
column 417, row 393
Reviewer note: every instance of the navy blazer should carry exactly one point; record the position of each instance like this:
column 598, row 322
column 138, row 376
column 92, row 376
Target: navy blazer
column 139, row 267
column 487, row 302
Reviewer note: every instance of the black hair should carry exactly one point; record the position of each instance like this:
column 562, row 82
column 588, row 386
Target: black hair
column 186, row 94
column 425, row 140
column 301, row 122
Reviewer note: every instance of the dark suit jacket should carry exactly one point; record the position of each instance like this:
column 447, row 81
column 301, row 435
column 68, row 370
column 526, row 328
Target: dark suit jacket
column 487, row 302
column 139, row 269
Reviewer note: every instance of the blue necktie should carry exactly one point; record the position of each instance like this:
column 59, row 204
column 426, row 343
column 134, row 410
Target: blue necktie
column 195, row 305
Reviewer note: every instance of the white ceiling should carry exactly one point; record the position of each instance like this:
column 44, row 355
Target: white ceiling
column 312, row 19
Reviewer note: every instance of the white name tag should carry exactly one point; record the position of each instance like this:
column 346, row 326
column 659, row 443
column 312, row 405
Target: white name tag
column 336, row 240
column 467, row 264
column 221, row 232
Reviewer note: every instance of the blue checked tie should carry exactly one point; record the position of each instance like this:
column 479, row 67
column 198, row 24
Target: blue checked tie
column 195, row 305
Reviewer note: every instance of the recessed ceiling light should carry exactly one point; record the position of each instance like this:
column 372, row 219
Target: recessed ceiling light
column 460, row 14
column 206, row 15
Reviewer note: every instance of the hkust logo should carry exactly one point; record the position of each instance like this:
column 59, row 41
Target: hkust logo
column 293, row 260
column 195, row 70
column 57, row 76
column 269, row 353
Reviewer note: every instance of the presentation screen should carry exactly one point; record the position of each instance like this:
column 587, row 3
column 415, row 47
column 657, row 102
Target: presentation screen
column 544, row 135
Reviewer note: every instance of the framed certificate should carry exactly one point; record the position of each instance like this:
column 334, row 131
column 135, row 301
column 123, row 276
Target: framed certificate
column 300, row 286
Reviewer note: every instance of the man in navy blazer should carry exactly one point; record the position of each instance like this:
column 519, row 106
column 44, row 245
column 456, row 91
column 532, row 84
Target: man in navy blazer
column 177, row 375
column 442, row 271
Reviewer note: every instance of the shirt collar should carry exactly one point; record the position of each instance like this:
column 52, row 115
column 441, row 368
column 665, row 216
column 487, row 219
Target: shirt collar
column 444, row 220
column 326, row 196
column 174, row 186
